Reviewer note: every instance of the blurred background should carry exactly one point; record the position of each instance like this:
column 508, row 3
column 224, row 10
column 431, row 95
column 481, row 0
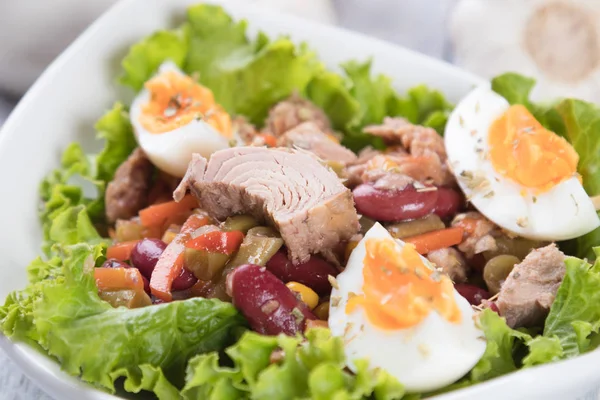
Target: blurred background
column 555, row 41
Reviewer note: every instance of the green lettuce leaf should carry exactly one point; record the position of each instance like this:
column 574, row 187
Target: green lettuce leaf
column 309, row 370
column 501, row 340
column 330, row 91
column 423, row 106
column 59, row 194
column 378, row 99
column 73, row 195
column 575, row 313
column 149, row 378
column 582, row 130
column 145, row 57
column 515, row 88
column 16, row 315
column 374, row 94
column 246, row 77
column 116, row 130
column 149, row 346
column 73, row 226
column 542, row 350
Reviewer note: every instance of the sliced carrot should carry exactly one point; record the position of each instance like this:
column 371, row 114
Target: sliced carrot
column 176, row 219
column 158, row 214
column 118, row 279
column 436, row 240
column 121, row 251
column 152, row 232
column 217, row 242
column 170, row 263
column 270, row 140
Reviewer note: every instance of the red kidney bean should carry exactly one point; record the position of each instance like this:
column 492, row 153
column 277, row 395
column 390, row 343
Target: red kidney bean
column 146, row 285
column 268, row 305
column 448, row 202
column 312, row 273
column 145, row 254
column 394, row 205
column 474, row 295
column 114, row 263
column 494, row 307
column 184, row 281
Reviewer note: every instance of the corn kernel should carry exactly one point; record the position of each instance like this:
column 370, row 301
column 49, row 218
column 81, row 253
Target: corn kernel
column 307, row 295
column 322, row 311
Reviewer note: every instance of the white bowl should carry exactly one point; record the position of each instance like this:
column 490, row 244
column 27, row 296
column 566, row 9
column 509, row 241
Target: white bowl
column 80, row 85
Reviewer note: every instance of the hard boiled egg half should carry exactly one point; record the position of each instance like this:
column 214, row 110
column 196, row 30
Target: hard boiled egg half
column 395, row 310
column 517, row 173
column 174, row 117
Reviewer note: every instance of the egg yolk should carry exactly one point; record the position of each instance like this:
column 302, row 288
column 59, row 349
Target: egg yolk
column 176, row 100
column 521, row 149
column 399, row 290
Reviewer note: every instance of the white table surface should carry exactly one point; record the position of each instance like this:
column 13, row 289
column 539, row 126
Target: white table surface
column 16, row 386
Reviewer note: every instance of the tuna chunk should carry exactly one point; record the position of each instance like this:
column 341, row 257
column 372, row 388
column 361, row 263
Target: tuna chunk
column 529, row 290
column 418, row 151
column 244, row 130
column 287, row 189
column 293, row 111
column 128, row 192
column 418, row 140
column 308, row 136
column 451, row 262
column 372, row 165
column 480, row 233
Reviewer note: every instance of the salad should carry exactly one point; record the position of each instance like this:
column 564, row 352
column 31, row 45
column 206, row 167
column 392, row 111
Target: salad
column 261, row 227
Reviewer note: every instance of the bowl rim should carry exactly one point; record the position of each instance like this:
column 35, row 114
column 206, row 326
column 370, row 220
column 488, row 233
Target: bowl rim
column 63, row 386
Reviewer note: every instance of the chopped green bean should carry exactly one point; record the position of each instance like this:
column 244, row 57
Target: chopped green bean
column 402, row 230
column 259, row 245
column 239, row 223
column 127, row 298
column 203, row 264
column 366, row 224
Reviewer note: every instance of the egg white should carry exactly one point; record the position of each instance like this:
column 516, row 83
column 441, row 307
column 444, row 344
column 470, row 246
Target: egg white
column 426, row 357
column 563, row 212
column 172, row 151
